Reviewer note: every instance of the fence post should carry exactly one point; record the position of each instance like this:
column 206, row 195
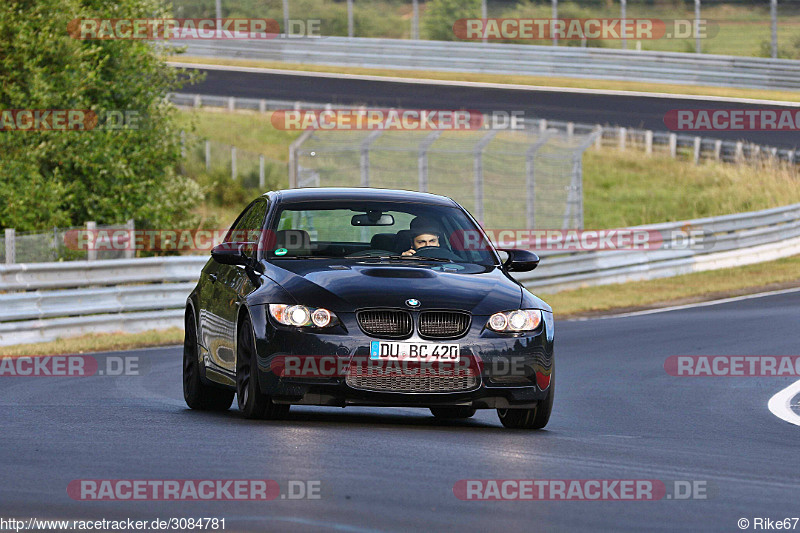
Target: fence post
column 697, row 143
column 350, row 18
column 422, row 159
column 286, row 17
column 598, row 141
column 623, row 9
column 673, row 145
column 483, row 15
column 555, row 16
column 231, row 103
column 542, row 125
column 183, row 144
column 648, row 142
column 530, row 179
column 773, row 15
column 415, row 20
column 623, row 137
column 570, row 130
column 739, row 151
column 91, row 229
column 233, row 162
column 293, row 165
column 130, row 250
column 477, row 165
column 208, row 155
column 717, row 149
column 196, row 101
column 262, row 106
column 11, row 250
column 365, row 144
column 697, row 25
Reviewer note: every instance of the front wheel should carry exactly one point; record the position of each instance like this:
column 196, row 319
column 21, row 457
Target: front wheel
column 197, row 394
column 252, row 402
column 535, row 418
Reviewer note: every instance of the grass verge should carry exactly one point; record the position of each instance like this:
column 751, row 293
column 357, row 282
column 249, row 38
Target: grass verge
column 689, row 288
column 536, row 81
column 100, row 342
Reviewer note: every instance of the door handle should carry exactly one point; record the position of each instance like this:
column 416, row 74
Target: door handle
column 213, row 278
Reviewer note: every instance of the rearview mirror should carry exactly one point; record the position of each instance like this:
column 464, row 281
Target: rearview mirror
column 520, row 260
column 231, row 253
column 372, row 218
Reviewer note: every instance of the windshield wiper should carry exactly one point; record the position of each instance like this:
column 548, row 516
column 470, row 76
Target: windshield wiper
column 402, row 257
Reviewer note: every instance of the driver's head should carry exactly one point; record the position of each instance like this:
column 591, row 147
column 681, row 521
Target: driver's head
column 423, row 239
column 424, row 232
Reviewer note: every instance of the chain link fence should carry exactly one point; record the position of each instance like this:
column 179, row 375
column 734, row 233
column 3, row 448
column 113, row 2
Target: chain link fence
column 59, row 244
column 506, row 179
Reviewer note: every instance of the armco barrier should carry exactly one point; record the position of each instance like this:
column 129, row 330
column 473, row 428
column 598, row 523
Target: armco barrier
column 44, row 301
column 513, row 59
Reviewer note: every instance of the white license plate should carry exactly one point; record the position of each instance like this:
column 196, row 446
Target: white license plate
column 413, row 351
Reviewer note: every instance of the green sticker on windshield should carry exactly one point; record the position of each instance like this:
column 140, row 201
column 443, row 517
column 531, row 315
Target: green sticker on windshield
column 281, row 251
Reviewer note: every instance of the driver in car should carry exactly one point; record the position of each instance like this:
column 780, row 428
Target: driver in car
column 422, row 235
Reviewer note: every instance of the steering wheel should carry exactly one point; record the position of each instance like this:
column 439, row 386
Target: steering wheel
column 437, row 252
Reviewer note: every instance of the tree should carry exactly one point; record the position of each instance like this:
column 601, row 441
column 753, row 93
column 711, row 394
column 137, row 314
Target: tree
column 57, row 178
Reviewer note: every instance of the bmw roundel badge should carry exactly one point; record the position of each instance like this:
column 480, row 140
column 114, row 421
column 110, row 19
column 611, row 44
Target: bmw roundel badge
column 412, row 302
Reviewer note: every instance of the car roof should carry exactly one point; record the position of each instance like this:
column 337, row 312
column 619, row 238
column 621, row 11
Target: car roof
column 313, row 194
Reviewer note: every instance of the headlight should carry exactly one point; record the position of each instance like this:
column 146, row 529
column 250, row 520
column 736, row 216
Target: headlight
column 519, row 320
column 300, row 315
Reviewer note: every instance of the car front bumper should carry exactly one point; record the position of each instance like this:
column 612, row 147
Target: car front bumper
column 510, row 370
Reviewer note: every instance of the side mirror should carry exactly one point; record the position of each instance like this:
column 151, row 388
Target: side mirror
column 231, row 253
column 520, row 261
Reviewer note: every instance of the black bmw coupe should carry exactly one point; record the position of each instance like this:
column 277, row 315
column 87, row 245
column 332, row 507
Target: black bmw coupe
column 368, row 297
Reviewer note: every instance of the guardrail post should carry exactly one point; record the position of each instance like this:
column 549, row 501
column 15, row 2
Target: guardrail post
column 623, row 134
column 233, row 162
column 422, row 159
column 648, row 142
column 477, row 165
column 598, row 141
column 773, row 15
column 196, row 102
column 623, row 8
column 415, row 20
column 792, row 155
column 231, row 103
column 208, row 155
column 542, row 125
column 739, row 154
column 673, row 145
column 262, row 106
column 261, row 177
column 365, row 144
column 130, row 249
column 554, row 17
column 11, row 250
column 697, row 25
column 286, row 17
column 717, row 149
column 697, row 144
column 91, row 229
column 350, row 18
column 570, row 130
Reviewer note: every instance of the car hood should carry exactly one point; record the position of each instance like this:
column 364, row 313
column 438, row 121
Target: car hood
column 349, row 286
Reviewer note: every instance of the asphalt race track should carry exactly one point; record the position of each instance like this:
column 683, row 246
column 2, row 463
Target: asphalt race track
column 618, row 415
column 616, row 110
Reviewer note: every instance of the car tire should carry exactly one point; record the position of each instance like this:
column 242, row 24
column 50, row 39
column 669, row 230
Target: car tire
column 252, row 402
column 453, row 412
column 197, row 394
column 535, row 418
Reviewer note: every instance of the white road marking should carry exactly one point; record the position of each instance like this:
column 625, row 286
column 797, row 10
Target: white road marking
column 482, row 85
column 781, row 404
column 687, row 306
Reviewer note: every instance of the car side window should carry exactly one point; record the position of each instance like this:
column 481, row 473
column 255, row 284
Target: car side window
column 248, row 226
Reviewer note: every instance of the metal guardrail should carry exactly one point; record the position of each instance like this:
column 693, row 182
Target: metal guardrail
column 649, row 141
column 513, row 59
column 139, row 294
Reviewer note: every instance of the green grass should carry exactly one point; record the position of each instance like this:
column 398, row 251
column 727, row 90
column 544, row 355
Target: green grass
column 100, row 342
column 687, row 288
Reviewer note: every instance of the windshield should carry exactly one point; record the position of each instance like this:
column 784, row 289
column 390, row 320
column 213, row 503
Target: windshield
column 377, row 231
